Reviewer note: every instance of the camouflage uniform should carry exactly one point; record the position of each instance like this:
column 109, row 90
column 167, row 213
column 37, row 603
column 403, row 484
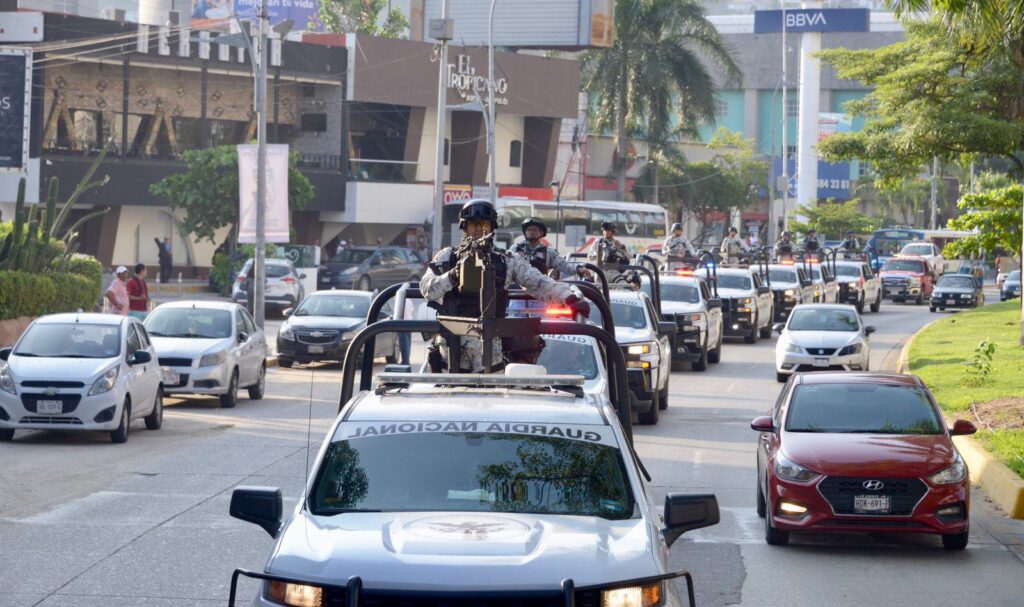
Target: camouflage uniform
column 676, row 246
column 543, row 257
column 732, row 248
column 434, row 288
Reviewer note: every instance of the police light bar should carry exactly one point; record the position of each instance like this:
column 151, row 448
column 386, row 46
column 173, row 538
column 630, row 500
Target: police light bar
column 787, row 262
column 558, row 312
column 684, row 272
column 480, row 379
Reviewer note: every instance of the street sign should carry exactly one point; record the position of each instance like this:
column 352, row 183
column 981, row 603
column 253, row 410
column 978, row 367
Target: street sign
column 15, row 104
column 813, row 20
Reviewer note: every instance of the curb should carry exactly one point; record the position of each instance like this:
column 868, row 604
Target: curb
column 1002, row 485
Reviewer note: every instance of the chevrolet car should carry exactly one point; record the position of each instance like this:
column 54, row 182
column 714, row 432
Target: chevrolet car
column 323, row 325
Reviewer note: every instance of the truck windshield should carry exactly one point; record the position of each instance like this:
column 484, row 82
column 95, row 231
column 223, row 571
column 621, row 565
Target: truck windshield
column 904, row 265
column 379, row 468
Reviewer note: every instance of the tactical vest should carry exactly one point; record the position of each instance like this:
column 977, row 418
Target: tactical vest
column 468, row 305
column 538, row 258
column 612, row 254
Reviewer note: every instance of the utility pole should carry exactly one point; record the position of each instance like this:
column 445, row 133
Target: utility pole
column 492, row 107
column 935, row 193
column 442, row 31
column 259, row 275
column 785, row 123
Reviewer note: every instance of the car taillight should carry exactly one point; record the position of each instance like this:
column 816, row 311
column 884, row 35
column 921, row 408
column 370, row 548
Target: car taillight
column 242, row 277
column 288, row 279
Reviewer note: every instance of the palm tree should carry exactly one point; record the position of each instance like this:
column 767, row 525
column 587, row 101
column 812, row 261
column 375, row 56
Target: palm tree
column 984, row 25
column 653, row 81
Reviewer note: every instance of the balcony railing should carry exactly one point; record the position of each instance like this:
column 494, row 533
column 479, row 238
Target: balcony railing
column 390, row 171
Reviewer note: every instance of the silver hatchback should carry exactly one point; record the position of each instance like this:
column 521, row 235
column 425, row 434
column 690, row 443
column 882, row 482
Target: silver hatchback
column 283, row 287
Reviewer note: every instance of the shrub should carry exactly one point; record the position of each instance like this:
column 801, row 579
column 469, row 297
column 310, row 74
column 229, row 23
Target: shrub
column 84, row 265
column 24, row 294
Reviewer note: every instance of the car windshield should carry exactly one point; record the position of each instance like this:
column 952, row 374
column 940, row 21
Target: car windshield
column 823, row 319
column 1015, row 276
column 815, row 273
column 400, row 468
column 568, row 355
column 740, row 283
column 917, row 249
column 680, row 293
column 629, row 315
column 781, row 275
column 964, row 282
column 849, row 271
column 198, row 323
column 355, row 256
column 904, row 265
column 70, row 340
column 333, row 305
column 862, row 408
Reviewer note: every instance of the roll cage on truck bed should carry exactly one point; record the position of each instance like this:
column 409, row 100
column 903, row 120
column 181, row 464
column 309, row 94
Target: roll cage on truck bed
column 488, row 327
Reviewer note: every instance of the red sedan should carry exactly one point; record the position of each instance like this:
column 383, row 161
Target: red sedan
column 863, row 452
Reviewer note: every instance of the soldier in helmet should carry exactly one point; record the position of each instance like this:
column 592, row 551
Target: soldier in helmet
column 677, row 245
column 442, row 287
column 810, row 243
column 607, row 249
column 733, row 247
column 540, row 255
column 784, row 246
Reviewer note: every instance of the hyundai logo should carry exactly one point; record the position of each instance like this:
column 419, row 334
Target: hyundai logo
column 873, row 485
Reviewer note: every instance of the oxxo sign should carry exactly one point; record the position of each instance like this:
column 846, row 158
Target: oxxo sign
column 813, row 20
column 463, row 78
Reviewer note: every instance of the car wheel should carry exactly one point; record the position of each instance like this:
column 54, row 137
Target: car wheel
column 256, row 390
column 919, row 300
column 395, row 356
column 773, row 536
column 955, row 541
column 121, row 434
column 663, row 398
column 761, row 508
column 230, row 399
column 781, row 377
column 702, row 363
column 650, row 416
column 751, row 338
column 931, row 308
column 715, row 356
column 155, row 419
column 285, row 362
column 363, row 284
column 6, row 435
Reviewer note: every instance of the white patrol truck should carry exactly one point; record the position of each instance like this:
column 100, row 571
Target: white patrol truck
column 577, row 355
column 747, row 303
column 493, row 490
column 687, row 301
column 648, row 351
column 859, row 285
column 790, row 287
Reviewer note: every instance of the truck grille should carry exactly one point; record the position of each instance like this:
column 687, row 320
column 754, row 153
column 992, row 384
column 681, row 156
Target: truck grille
column 905, row 493
column 895, row 281
column 371, row 598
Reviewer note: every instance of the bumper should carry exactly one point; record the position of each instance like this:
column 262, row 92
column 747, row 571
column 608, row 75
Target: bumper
column 639, row 381
column 738, row 324
column 688, row 345
column 791, row 362
column 1007, row 294
column 850, row 295
column 100, row 412
column 198, row 380
column 303, row 352
column 901, row 292
column 956, row 302
column 336, row 282
column 821, row 517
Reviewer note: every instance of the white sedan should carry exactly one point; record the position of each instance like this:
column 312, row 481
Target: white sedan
column 822, row 337
column 80, row 372
column 209, row 347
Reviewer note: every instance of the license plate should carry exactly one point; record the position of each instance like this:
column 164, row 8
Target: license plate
column 875, row 504
column 892, row 290
column 171, row 378
column 49, row 407
column 950, row 301
column 820, row 362
column 316, row 349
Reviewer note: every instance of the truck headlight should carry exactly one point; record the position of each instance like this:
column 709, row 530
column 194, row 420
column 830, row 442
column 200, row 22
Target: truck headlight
column 955, row 473
column 106, row 382
column 295, row 595
column 649, row 595
column 914, row 281
column 746, row 300
column 789, row 293
column 213, row 359
column 6, row 381
column 791, row 471
column 639, row 349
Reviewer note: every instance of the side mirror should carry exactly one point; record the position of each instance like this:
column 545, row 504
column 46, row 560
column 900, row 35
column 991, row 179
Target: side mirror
column 763, row 424
column 962, row 427
column 243, row 337
column 688, row 512
column 763, row 290
column 666, row 328
column 260, row 505
column 287, row 311
column 5, row 353
column 778, row 327
column 714, row 304
column 140, row 358
column 868, row 330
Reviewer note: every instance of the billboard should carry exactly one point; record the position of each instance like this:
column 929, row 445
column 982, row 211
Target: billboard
column 833, row 177
column 305, row 13
column 15, row 101
column 277, row 225
column 800, row 20
column 568, row 24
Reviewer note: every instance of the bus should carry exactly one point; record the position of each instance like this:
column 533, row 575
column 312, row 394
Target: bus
column 573, row 225
column 888, row 242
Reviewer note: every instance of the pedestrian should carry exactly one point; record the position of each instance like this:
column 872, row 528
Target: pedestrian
column 165, row 257
column 138, row 293
column 117, row 292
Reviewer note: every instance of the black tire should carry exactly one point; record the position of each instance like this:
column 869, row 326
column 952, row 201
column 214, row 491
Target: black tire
column 257, row 390
column 761, row 506
column 6, row 435
column 773, row 536
column 120, row 435
column 701, row 364
column 877, row 305
column 285, row 362
column 230, row 399
column 155, row 419
column 715, row 356
column 650, row 416
column 781, row 377
column 663, row 398
column 955, row 541
column 766, row 331
column 751, row 338
column 931, row 308
column 364, row 284
column 920, row 299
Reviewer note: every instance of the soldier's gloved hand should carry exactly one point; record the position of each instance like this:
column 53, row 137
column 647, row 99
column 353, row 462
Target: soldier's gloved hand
column 585, row 273
column 577, row 305
column 453, row 274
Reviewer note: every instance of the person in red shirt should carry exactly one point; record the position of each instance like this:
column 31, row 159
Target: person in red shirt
column 138, row 293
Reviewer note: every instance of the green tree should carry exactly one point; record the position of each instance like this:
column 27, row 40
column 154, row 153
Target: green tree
column 994, row 216
column 208, row 191
column 363, row 17
column 833, row 219
column 653, row 81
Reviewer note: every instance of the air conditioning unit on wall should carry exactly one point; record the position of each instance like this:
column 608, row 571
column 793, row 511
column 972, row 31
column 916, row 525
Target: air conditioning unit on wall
column 113, row 14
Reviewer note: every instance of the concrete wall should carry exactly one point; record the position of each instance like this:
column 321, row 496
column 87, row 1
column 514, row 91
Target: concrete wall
column 137, row 228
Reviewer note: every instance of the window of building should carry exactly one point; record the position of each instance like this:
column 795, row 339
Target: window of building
column 790, row 151
column 721, row 107
column 792, row 106
column 226, row 132
column 515, row 159
column 189, row 133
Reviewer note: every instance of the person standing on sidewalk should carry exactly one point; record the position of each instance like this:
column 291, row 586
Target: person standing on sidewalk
column 117, row 292
column 166, row 259
column 138, row 293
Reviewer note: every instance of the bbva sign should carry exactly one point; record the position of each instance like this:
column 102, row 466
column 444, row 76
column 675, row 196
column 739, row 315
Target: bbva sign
column 813, row 20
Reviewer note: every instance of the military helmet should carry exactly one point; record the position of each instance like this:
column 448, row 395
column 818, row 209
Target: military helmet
column 608, row 225
column 478, row 208
column 676, row 226
column 533, row 221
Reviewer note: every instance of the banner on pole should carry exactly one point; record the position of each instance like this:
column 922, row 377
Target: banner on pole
column 277, row 224
column 15, row 104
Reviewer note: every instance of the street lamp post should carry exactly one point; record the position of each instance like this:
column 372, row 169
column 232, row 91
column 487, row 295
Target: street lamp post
column 491, row 110
column 259, row 274
column 440, row 30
